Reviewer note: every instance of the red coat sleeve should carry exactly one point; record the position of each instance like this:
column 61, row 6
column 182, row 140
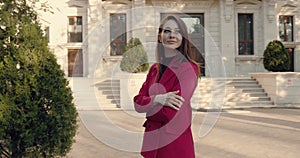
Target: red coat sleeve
column 188, row 81
column 143, row 101
column 186, row 84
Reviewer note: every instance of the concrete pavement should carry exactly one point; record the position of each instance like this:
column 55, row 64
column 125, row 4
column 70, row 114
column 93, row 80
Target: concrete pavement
column 250, row 133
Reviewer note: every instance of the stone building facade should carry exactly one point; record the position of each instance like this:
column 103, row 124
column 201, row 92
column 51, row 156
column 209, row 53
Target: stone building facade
column 88, row 36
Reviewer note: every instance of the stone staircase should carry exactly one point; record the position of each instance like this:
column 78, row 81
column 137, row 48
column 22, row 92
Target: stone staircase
column 108, row 93
column 230, row 93
column 90, row 94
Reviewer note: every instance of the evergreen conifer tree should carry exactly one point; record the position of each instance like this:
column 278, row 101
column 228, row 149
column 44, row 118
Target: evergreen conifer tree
column 276, row 58
column 135, row 58
column 37, row 114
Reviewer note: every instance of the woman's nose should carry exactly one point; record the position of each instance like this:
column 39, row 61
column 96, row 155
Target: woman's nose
column 172, row 34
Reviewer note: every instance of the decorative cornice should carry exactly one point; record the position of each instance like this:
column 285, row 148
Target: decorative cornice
column 77, row 4
column 289, row 4
column 251, row 2
column 125, row 2
column 181, row 4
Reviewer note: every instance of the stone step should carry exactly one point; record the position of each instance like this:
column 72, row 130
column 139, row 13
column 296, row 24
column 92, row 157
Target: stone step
column 87, row 94
column 242, row 82
column 238, row 99
column 109, row 101
column 249, row 90
column 247, row 99
column 108, row 87
column 109, row 97
column 227, row 82
column 235, row 105
column 106, row 107
column 233, row 90
column 229, row 94
column 110, row 92
column 107, row 82
column 249, row 104
column 254, row 94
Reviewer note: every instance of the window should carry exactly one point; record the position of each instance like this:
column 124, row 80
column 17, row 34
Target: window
column 117, row 34
column 245, row 34
column 75, row 63
column 75, row 29
column 286, row 28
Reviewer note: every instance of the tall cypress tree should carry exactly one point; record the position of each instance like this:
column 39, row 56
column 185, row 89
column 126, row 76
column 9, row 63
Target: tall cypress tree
column 37, row 114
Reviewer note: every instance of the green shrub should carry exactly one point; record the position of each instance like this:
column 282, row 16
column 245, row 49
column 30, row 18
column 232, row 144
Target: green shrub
column 135, row 58
column 276, row 58
column 37, row 115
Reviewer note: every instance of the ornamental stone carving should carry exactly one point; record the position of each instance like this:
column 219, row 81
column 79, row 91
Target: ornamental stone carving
column 228, row 10
column 271, row 10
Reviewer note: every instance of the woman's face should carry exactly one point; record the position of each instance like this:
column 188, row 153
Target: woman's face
column 171, row 36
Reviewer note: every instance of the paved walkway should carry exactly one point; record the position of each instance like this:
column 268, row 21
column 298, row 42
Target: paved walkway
column 252, row 133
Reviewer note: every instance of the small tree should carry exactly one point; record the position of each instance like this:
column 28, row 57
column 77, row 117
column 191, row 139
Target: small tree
column 135, row 58
column 37, row 114
column 276, row 58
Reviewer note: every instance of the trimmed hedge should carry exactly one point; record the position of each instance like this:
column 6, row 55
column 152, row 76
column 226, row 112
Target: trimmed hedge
column 276, row 58
column 135, row 58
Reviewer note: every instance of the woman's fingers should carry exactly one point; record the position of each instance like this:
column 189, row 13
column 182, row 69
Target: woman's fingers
column 180, row 98
column 172, row 106
column 174, row 101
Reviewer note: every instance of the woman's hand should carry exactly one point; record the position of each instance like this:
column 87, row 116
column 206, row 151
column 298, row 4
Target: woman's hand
column 170, row 99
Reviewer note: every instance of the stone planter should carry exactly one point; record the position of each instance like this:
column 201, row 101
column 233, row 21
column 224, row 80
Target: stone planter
column 282, row 87
column 130, row 85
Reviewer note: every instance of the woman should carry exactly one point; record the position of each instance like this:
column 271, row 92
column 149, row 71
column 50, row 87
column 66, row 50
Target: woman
column 166, row 93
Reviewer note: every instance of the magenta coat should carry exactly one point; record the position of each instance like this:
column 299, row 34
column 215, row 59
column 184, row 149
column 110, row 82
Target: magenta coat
column 167, row 131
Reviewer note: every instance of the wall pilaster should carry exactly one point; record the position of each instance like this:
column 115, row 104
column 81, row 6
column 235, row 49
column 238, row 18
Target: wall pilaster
column 137, row 19
column 269, row 22
column 227, row 36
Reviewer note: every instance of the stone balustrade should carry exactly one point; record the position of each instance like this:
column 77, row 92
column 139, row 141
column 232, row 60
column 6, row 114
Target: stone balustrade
column 282, row 87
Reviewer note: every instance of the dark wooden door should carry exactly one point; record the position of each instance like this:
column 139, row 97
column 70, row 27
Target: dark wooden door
column 75, row 63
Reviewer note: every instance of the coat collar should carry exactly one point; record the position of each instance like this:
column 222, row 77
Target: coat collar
column 170, row 72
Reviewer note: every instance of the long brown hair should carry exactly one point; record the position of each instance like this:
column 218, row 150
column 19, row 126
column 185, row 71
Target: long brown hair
column 184, row 48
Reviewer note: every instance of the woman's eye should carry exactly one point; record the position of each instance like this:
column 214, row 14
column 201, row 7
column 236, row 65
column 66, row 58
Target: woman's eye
column 167, row 31
column 177, row 31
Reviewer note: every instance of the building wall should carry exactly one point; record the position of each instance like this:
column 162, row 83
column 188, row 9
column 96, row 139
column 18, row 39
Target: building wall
column 291, row 8
column 143, row 17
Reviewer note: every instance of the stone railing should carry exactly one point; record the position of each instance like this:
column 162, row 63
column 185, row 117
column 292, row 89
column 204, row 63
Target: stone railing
column 130, row 84
column 282, row 87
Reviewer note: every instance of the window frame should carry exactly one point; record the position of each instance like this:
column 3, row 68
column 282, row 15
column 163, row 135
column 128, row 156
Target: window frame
column 118, row 42
column 246, row 41
column 75, row 26
column 285, row 38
